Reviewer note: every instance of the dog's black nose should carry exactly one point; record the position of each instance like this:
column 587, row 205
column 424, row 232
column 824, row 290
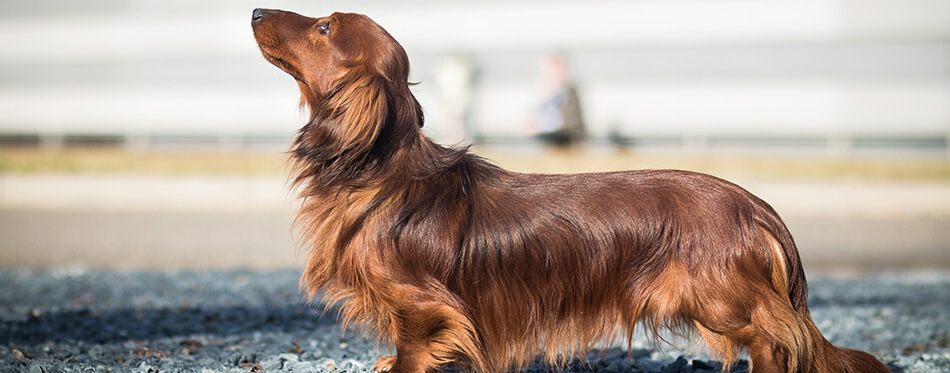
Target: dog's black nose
column 257, row 15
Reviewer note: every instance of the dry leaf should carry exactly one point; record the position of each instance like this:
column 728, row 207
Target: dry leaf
column 296, row 349
column 148, row 352
column 253, row 367
column 191, row 343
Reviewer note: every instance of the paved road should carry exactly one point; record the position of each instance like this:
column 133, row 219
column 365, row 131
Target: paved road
column 147, row 240
column 263, row 239
column 194, row 221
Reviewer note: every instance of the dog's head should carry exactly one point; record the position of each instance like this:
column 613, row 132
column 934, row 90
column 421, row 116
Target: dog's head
column 319, row 51
column 352, row 75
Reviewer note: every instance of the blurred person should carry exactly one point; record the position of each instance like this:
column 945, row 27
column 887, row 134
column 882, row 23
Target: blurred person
column 560, row 120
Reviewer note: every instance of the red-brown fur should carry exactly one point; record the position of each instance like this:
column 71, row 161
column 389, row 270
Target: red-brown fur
column 450, row 258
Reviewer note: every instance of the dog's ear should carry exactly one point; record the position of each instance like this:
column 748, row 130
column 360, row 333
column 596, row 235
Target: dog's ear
column 347, row 119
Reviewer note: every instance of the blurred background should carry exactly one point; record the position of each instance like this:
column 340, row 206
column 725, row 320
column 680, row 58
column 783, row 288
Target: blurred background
column 150, row 134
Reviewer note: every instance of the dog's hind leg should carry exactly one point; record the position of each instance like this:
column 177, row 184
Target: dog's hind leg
column 776, row 338
column 749, row 306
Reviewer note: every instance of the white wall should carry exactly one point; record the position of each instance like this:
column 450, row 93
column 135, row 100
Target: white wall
column 645, row 68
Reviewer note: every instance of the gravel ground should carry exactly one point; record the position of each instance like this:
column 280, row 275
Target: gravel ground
column 78, row 320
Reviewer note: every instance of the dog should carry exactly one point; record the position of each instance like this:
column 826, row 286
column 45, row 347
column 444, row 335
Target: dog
column 450, row 258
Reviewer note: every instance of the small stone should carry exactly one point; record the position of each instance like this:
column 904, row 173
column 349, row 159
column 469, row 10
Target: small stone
column 676, row 366
column 327, row 363
column 19, row 355
column 699, row 364
column 96, row 352
column 350, row 364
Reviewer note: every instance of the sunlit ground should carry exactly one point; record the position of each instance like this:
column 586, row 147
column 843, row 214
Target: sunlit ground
column 273, row 163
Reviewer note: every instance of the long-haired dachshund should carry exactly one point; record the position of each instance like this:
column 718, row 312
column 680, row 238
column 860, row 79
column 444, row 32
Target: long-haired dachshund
column 451, row 258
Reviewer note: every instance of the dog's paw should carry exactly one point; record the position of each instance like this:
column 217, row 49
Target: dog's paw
column 385, row 363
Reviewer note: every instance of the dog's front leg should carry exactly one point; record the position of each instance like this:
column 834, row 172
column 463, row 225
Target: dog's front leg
column 385, row 363
column 408, row 359
column 429, row 334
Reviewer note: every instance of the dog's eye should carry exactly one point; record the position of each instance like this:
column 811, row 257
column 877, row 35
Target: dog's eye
column 323, row 28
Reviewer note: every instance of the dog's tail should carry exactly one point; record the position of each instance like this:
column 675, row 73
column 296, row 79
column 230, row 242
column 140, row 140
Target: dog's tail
column 807, row 349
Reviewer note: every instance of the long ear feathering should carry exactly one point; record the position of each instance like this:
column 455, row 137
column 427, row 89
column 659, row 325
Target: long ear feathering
column 348, row 118
column 359, row 123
